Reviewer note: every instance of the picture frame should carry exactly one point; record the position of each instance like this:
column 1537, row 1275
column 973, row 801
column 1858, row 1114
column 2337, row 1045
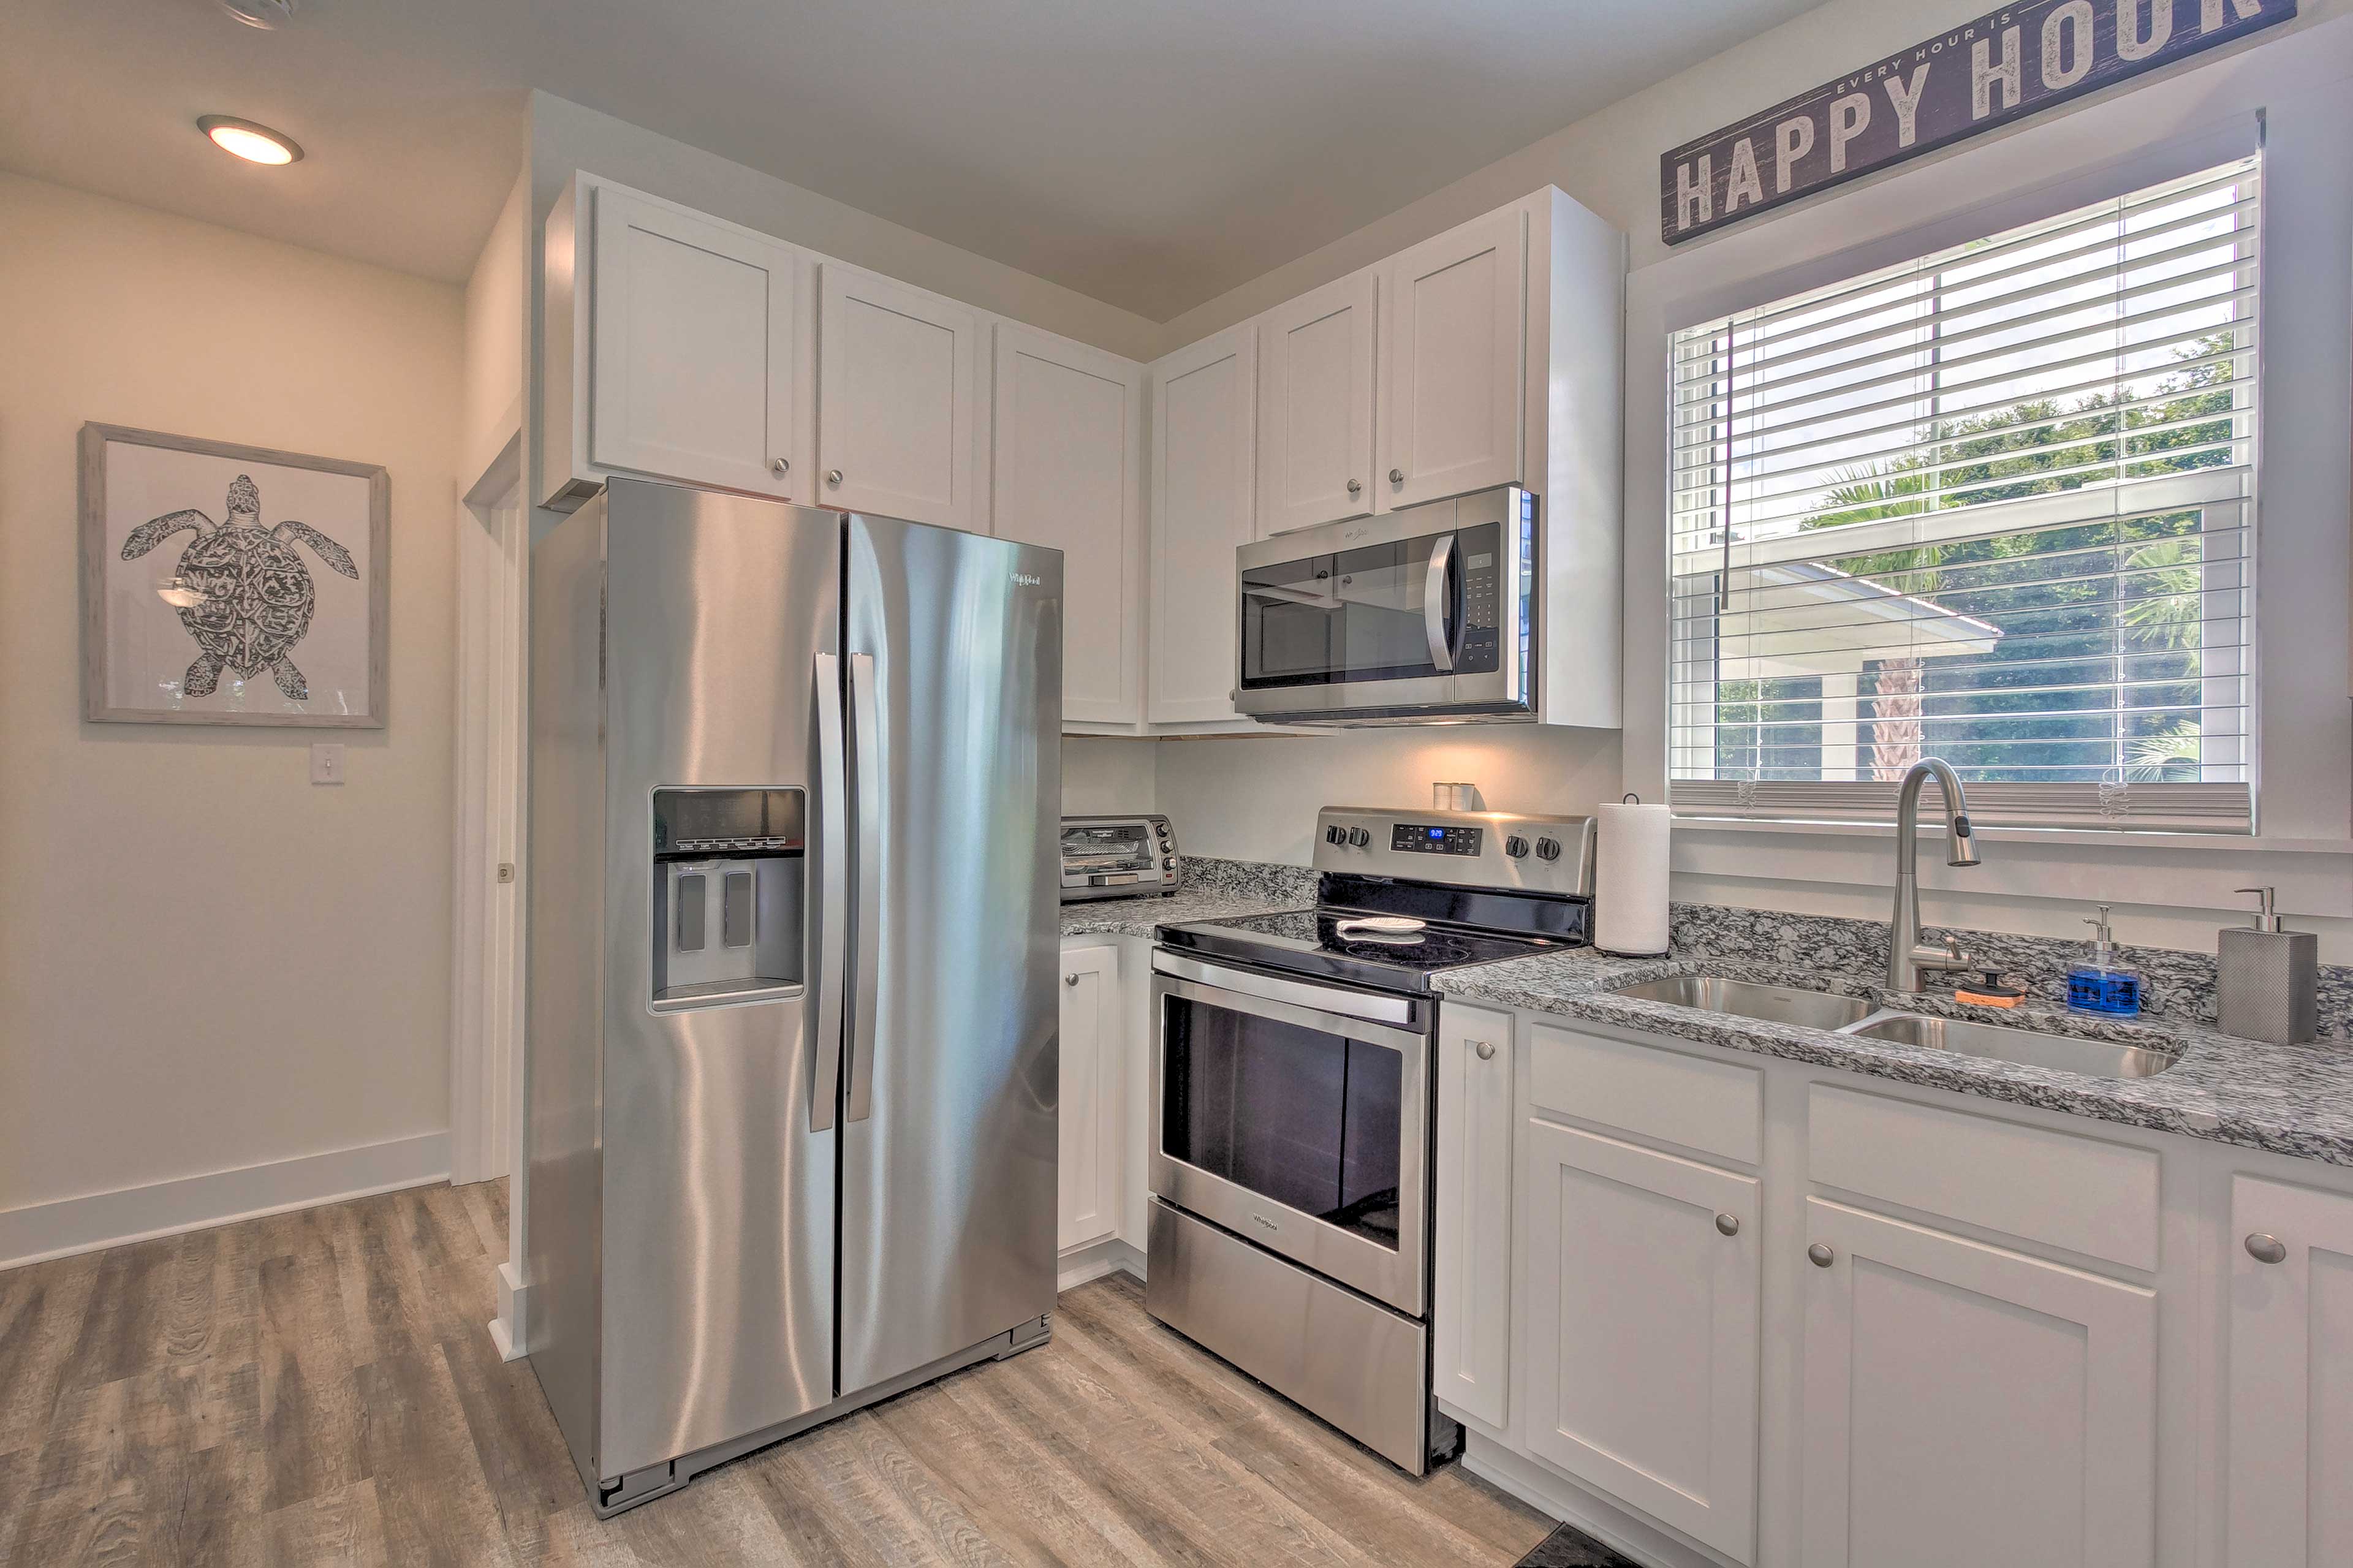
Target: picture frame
column 231, row 584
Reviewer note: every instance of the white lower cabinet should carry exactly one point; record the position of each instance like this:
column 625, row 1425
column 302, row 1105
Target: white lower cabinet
column 1093, row 1113
column 2290, row 1377
column 1964, row 1404
column 1470, row 1328
column 1644, row 1307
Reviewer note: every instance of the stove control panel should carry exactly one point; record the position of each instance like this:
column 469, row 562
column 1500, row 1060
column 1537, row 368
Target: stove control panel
column 1434, row 838
column 1498, row 849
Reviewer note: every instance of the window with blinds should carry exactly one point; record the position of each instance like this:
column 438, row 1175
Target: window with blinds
column 1995, row 505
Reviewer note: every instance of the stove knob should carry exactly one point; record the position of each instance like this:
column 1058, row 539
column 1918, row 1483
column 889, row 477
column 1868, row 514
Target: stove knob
column 1359, row 837
column 1547, row 849
column 1335, row 835
column 1516, row 847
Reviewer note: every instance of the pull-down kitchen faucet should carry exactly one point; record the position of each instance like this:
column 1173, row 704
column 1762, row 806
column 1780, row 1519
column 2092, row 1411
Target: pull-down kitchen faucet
column 1906, row 957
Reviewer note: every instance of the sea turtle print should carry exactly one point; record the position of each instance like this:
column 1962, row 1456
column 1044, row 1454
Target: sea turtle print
column 252, row 596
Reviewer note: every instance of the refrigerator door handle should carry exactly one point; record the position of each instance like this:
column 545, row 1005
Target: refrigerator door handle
column 866, row 757
column 833, row 868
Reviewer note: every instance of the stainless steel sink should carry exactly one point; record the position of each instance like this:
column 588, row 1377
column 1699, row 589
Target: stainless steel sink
column 2096, row 1059
column 1747, row 999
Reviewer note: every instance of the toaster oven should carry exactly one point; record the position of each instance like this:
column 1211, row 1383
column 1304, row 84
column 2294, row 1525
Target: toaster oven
column 1117, row 857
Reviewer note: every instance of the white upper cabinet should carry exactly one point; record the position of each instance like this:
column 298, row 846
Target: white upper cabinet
column 898, row 401
column 677, row 348
column 1452, row 324
column 1204, row 508
column 1315, row 407
column 1965, row 1405
column 2290, row 1378
column 1069, row 474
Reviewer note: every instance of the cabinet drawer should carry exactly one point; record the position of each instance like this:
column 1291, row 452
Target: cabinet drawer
column 1715, row 1107
column 2082, row 1193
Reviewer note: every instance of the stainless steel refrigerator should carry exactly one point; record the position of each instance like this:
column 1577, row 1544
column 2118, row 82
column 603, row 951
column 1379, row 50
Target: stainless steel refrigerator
column 795, row 782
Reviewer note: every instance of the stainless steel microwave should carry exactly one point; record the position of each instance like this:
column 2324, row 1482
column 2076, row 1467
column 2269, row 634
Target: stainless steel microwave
column 1428, row 612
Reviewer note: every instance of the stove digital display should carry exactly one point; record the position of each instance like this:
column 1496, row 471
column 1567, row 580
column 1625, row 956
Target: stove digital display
column 1422, row 839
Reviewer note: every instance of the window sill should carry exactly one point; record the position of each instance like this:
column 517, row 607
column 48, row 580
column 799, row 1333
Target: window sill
column 1933, row 827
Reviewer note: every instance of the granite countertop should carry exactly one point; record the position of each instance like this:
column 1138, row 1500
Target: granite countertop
column 1212, row 890
column 2289, row 1100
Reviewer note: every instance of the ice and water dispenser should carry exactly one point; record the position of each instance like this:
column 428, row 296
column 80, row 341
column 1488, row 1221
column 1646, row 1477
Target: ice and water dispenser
column 728, row 894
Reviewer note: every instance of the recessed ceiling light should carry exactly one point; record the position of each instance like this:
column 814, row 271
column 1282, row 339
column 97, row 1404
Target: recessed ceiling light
column 263, row 14
column 255, row 143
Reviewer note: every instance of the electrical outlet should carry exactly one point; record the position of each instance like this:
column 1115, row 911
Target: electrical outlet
column 327, row 763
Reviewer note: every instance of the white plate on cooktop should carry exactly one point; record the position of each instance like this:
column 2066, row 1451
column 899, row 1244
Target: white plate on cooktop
column 1381, row 926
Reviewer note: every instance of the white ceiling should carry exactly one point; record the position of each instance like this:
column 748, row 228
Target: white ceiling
column 1152, row 153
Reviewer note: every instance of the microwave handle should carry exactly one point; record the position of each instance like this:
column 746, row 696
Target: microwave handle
column 1434, row 604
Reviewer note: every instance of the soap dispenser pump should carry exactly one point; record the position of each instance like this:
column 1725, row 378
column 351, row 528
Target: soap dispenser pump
column 2105, row 985
column 2270, row 978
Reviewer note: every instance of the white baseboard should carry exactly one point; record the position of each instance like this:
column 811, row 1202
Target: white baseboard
column 1081, row 1264
column 509, row 1328
column 1565, row 1501
column 39, row 1232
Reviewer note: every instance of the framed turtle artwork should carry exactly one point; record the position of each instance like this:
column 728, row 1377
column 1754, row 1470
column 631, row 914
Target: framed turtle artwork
column 227, row 585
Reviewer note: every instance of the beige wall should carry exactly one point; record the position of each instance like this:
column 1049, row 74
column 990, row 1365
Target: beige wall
column 206, row 962
column 495, row 294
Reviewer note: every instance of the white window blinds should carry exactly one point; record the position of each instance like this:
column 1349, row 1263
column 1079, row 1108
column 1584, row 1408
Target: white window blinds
column 1995, row 505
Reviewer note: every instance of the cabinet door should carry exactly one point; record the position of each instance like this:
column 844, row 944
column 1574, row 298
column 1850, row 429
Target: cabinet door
column 1966, row 1405
column 1471, row 1319
column 897, row 400
column 1069, row 473
column 1093, row 1107
column 1452, row 318
column 695, row 334
column 1204, row 508
column 1643, row 1318
column 1315, row 407
column 2290, row 1393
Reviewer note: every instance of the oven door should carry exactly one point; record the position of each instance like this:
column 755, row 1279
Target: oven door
column 1297, row 1115
column 1426, row 609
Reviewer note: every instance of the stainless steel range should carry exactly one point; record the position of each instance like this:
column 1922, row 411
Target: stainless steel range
column 1293, row 1103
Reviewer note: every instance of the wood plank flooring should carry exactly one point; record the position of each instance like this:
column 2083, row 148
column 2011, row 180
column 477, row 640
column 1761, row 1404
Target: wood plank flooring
column 319, row 1388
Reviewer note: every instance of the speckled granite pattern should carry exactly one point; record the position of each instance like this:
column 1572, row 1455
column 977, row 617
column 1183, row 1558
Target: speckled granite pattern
column 1212, row 891
column 2289, row 1100
column 2177, row 986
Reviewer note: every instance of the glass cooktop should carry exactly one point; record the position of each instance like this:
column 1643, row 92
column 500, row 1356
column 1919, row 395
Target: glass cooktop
column 1310, row 941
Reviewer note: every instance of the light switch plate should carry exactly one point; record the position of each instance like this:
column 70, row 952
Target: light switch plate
column 327, row 763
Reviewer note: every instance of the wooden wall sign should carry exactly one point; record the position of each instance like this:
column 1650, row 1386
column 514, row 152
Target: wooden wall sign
column 2009, row 63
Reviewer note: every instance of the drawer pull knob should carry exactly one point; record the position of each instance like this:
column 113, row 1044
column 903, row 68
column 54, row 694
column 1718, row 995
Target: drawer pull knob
column 2266, row 1248
column 1822, row 1255
column 1396, row 476
column 1486, row 1050
column 1727, row 1224
column 781, row 467
column 1355, row 485
column 1070, row 980
column 833, row 476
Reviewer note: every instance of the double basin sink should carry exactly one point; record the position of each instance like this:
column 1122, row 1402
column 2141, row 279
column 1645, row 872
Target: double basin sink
column 1856, row 1016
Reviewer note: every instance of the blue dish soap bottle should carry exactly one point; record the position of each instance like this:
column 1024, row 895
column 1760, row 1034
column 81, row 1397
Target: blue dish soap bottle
column 2103, row 984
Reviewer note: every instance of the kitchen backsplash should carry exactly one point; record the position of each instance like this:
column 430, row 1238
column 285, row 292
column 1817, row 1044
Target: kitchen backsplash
column 1251, row 880
column 2175, row 983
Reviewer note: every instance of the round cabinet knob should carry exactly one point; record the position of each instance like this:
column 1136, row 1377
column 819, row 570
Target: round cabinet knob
column 1547, row 849
column 1356, row 486
column 833, row 476
column 1396, row 476
column 1486, row 1050
column 2266, row 1248
column 1516, row 847
column 1070, row 980
column 1728, row 1223
column 1821, row 1255
column 1359, row 837
column 780, row 467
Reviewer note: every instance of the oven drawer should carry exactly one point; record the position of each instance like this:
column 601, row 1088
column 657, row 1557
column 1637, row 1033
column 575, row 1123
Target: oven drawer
column 1360, row 1366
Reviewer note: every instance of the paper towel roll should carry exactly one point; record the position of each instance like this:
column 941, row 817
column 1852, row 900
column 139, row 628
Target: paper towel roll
column 1630, row 892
